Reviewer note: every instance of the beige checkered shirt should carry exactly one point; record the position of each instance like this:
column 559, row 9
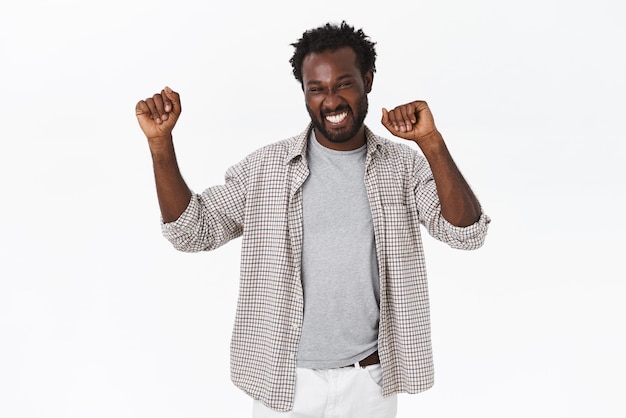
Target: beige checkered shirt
column 261, row 201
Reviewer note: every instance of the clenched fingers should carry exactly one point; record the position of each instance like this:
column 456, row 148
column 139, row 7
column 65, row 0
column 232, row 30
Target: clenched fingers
column 409, row 121
column 157, row 110
column 401, row 118
column 158, row 114
column 160, row 106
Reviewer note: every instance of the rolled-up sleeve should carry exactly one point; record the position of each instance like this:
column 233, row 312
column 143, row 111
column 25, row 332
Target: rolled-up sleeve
column 459, row 237
column 468, row 237
column 212, row 218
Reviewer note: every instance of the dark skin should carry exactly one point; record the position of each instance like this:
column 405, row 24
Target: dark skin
column 157, row 117
column 334, row 88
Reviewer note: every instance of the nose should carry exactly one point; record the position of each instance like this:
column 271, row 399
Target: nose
column 332, row 101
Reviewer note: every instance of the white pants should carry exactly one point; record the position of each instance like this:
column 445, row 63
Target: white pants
column 348, row 392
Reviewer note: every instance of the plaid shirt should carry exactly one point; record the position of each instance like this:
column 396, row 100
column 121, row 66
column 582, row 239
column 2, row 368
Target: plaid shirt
column 261, row 200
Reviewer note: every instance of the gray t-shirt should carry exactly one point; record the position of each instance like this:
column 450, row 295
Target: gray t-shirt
column 339, row 266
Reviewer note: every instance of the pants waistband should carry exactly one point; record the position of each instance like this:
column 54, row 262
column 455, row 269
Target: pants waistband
column 367, row 361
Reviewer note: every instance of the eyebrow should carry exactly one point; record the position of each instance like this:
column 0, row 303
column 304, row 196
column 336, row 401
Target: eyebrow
column 340, row 78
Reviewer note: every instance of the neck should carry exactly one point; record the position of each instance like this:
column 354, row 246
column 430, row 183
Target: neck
column 357, row 141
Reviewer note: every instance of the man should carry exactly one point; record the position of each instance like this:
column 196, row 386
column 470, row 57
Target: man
column 333, row 313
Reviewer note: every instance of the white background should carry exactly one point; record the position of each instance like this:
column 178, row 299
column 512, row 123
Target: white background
column 101, row 317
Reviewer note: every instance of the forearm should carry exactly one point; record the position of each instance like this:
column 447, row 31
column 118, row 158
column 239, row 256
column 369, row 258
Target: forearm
column 459, row 205
column 172, row 191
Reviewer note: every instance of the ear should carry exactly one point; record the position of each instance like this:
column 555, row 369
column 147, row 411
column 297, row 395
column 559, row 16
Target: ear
column 369, row 80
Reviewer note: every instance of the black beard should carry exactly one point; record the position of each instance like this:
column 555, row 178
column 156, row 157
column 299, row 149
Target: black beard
column 340, row 137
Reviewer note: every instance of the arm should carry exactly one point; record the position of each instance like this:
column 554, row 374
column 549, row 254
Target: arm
column 157, row 117
column 414, row 121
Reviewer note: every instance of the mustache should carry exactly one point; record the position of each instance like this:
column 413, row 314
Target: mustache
column 338, row 109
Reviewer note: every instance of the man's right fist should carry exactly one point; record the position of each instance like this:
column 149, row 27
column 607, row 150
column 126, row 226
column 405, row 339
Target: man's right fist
column 158, row 115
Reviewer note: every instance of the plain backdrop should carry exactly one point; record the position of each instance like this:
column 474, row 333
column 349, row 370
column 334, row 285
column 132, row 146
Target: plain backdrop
column 101, row 317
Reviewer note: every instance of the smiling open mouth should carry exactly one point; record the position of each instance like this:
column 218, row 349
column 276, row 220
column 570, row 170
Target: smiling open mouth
column 337, row 118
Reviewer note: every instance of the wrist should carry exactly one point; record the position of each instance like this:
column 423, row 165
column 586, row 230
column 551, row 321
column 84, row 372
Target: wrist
column 431, row 143
column 161, row 145
column 159, row 140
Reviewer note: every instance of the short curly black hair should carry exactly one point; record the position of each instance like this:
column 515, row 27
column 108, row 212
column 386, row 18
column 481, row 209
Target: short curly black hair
column 332, row 37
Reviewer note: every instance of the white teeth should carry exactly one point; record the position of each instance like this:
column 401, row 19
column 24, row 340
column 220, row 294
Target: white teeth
column 336, row 118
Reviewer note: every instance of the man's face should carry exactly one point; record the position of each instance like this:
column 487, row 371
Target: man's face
column 336, row 97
